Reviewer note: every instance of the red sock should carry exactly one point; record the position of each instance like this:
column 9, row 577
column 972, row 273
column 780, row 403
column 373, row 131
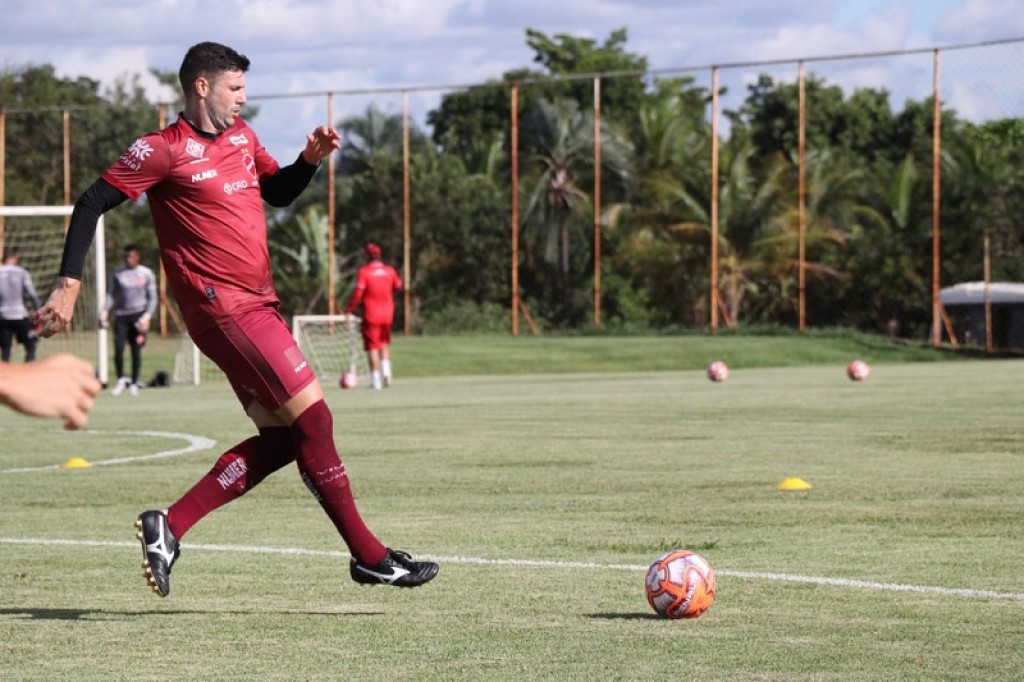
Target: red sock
column 324, row 475
column 238, row 471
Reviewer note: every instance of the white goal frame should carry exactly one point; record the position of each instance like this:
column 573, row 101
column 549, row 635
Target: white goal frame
column 329, row 363
column 100, row 270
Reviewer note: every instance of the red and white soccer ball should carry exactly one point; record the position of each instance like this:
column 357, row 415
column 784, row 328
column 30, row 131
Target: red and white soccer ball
column 858, row 370
column 680, row 584
column 348, row 380
column 718, row 371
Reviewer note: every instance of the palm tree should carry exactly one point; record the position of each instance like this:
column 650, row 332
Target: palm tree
column 299, row 254
column 671, row 231
column 372, row 134
column 564, row 138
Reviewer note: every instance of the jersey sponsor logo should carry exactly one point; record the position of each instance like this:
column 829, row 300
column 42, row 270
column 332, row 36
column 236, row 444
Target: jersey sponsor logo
column 238, row 140
column 140, row 149
column 136, row 154
column 193, row 148
column 236, row 186
column 205, row 175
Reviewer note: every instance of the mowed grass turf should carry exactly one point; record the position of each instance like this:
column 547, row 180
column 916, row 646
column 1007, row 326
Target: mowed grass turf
column 544, row 497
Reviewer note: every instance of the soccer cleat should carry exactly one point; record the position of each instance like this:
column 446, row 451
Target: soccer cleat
column 397, row 568
column 121, row 384
column 133, row 389
column 159, row 550
column 387, row 380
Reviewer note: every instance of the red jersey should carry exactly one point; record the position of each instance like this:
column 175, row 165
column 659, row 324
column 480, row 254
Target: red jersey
column 375, row 287
column 204, row 195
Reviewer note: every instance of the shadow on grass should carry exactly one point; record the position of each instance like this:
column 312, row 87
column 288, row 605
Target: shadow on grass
column 625, row 616
column 102, row 614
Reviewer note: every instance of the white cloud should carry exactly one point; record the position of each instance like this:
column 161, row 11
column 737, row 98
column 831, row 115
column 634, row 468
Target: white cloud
column 980, row 20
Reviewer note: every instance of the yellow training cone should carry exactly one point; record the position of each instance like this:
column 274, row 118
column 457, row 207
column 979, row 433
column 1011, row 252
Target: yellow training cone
column 76, row 463
column 793, row 484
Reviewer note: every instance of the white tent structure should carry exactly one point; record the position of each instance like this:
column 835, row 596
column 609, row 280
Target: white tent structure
column 966, row 304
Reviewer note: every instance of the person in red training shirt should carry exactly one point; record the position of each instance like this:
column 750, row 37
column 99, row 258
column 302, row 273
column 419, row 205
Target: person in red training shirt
column 376, row 284
column 206, row 177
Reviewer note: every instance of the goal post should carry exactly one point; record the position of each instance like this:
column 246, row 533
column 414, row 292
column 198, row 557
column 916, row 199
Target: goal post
column 38, row 236
column 332, row 345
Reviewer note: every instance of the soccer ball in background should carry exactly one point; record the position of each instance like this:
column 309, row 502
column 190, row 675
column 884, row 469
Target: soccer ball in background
column 680, row 584
column 348, row 380
column 858, row 370
column 718, row 371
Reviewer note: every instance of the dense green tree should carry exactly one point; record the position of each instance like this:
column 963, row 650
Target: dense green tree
column 101, row 126
column 861, row 125
column 468, row 122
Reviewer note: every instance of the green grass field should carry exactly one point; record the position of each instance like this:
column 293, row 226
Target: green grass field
column 544, row 495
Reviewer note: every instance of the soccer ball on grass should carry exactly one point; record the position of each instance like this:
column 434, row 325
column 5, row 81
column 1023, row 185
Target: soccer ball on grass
column 680, row 584
column 858, row 370
column 348, row 380
column 718, row 371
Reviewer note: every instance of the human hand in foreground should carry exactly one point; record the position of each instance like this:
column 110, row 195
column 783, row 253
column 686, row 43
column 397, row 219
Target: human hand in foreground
column 62, row 386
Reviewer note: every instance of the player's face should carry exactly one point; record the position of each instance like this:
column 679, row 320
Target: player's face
column 226, row 98
column 131, row 258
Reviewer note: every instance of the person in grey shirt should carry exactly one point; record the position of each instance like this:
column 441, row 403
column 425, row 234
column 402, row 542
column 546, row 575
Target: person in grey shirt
column 132, row 298
column 15, row 287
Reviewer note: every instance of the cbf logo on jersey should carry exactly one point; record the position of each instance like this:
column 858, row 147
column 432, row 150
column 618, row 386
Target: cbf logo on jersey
column 194, row 149
column 136, row 154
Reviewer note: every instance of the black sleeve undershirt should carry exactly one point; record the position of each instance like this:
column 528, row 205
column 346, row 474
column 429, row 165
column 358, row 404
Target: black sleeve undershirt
column 284, row 186
column 94, row 202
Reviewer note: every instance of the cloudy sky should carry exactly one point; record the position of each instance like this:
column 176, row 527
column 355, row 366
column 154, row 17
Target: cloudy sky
column 315, row 46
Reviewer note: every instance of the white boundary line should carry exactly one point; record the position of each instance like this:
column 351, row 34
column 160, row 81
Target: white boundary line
column 193, row 444
column 540, row 563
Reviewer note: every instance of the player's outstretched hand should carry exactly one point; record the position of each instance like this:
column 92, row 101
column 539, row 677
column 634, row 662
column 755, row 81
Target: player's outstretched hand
column 320, row 143
column 59, row 307
column 61, row 386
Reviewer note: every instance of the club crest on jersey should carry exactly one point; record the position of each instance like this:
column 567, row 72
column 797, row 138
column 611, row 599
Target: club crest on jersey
column 249, row 163
column 193, row 148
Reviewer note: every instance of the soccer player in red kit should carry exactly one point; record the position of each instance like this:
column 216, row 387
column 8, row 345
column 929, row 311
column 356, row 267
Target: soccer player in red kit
column 206, row 177
column 375, row 287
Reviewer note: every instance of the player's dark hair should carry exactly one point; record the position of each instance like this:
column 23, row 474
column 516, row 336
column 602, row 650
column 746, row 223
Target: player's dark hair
column 210, row 60
column 131, row 247
column 9, row 252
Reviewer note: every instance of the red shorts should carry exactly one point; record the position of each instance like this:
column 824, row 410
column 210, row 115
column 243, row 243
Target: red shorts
column 375, row 336
column 258, row 354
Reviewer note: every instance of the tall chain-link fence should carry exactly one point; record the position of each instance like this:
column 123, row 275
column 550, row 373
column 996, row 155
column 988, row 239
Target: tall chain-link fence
column 803, row 193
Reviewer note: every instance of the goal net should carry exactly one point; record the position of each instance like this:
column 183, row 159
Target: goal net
column 332, row 344
column 37, row 234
